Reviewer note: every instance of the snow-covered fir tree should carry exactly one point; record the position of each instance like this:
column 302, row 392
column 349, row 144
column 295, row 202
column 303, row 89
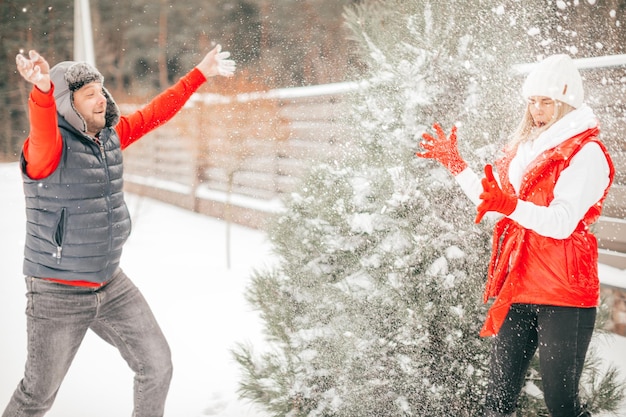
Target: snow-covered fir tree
column 375, row 305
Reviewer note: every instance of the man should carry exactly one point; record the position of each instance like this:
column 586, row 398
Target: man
column 77, row 223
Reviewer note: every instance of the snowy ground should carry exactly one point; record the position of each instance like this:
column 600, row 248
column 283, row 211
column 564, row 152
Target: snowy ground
column 178, row 259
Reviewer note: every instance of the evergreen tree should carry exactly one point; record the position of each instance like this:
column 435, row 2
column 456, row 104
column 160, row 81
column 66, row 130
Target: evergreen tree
column 374, row 308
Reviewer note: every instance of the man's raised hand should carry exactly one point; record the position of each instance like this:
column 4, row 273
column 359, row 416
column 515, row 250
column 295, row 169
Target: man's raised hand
column 34, row 69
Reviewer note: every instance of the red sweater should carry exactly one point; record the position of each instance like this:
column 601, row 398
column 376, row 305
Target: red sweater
column 43, row 147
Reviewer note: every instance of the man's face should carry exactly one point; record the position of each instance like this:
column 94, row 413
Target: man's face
column 91, row 104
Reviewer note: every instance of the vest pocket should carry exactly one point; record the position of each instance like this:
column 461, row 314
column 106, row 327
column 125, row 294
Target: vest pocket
column 59, row 234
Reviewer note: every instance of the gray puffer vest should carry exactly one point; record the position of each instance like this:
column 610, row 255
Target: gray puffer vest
column 77, row 220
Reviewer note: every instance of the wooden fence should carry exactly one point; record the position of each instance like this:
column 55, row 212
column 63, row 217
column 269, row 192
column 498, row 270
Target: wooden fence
column 233, row 158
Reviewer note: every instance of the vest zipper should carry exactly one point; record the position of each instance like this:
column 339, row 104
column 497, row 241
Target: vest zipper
column 107, row 196
column 101, row 146
column 59, row 250
column 59, row 234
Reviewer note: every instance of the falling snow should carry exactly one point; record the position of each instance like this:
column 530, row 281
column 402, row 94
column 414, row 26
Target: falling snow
column 389, row 237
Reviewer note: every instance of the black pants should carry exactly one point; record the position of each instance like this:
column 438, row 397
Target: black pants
column 562, row 335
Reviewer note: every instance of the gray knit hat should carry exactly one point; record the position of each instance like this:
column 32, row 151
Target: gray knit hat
column 68, row 77
column 81, row 73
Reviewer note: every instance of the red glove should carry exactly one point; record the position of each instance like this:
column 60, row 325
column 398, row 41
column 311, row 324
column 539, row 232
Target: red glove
column 494, row 199
column 443, row 149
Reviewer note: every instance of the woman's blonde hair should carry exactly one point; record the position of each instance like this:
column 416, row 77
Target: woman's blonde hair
column 526, row 129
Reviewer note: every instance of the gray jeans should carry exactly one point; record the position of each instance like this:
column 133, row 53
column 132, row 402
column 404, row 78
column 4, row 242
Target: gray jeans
column 58, row 317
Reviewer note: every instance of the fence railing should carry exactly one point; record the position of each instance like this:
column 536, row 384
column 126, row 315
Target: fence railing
column 233, row 158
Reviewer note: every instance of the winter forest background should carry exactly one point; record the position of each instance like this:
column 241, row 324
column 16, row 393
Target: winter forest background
column 374, row 305
column 143, row 46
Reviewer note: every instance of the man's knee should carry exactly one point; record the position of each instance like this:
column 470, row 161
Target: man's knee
column 158, row 364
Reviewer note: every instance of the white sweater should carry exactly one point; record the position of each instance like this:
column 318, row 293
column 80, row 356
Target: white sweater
column 578, row 187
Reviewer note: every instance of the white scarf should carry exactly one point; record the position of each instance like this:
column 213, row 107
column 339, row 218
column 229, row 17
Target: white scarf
column 572, row 124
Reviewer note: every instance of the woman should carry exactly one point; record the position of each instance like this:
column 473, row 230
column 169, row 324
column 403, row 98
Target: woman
column 543, row 272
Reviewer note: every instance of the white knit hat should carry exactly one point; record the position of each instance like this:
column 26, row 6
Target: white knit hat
column 556, row 77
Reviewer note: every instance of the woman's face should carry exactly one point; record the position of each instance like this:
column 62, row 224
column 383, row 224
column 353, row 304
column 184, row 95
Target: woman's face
column 541, row 109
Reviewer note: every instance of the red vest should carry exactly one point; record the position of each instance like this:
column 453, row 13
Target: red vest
column 528, row 268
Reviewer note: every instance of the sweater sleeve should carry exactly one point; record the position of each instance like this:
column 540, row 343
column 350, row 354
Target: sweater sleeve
column 160, row 110
column 579, row 186
column 470, row 184
column 42, row 149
